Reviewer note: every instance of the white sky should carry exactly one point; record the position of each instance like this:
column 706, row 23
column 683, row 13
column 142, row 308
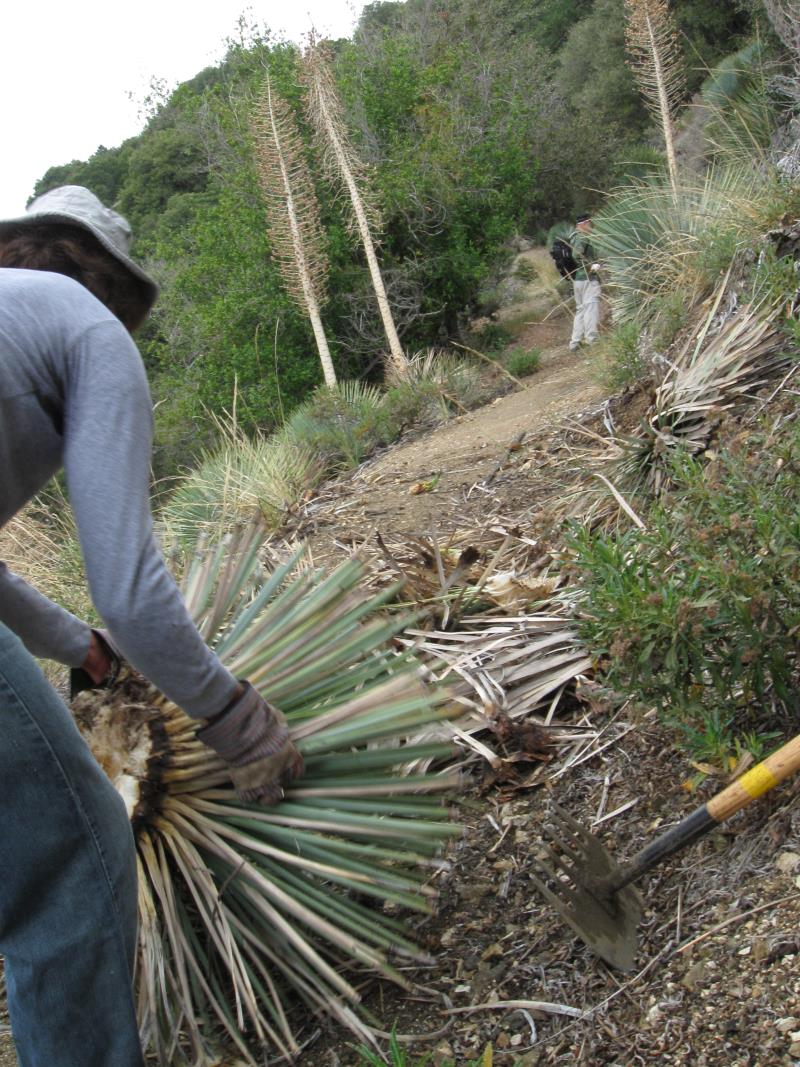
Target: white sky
column 69, row 68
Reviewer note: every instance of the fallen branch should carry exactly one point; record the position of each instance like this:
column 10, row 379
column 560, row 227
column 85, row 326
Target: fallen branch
column 529, row 1005
column 735, row 919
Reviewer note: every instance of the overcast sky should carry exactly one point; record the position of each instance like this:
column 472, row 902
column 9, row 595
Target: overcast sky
column 70, row 67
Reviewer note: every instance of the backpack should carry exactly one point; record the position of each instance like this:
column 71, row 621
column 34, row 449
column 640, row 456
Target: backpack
column 561, row 251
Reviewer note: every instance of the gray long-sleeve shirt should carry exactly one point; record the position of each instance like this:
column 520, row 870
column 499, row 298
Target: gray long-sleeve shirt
column 73, row 394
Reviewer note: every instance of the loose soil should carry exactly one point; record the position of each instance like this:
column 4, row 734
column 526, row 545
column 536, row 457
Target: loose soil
column 716, row 979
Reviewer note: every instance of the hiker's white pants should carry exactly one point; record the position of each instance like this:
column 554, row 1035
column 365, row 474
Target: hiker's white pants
column 587, row 312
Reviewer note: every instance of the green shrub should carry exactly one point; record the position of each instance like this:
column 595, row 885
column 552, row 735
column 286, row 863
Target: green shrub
column 699, row 612
column 406, row 403
column 522, row 361
column 525, row 271
column 670, row 315
column 622, row 358
column 492, row 337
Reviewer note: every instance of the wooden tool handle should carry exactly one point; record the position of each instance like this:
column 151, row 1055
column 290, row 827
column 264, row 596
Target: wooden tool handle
column 760, row 779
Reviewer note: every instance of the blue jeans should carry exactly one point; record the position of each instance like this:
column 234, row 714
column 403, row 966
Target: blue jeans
column 67, row 883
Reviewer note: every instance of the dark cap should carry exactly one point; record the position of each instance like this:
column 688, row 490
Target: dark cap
column 583, row 218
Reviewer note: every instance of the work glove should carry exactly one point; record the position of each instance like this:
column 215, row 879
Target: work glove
column 595, row 267
column 79, row 677
column 252, row 737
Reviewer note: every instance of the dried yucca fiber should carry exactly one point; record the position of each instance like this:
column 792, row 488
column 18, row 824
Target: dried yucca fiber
column 251, row 917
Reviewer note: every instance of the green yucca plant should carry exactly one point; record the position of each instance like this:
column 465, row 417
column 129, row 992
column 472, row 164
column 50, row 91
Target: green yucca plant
column 742, row 111
column 655, row 240
column 250, row 917
column 340, row 426
column 244, row 477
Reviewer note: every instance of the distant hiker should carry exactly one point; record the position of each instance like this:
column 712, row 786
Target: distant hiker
column 585, row 283
column 74, row 396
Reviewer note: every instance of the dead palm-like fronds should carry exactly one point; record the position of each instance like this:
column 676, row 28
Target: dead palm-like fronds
column 292, row 212
column 251, row 917
column 725, row 360
column 517, row 665
column 325, row 113
column 652, row 42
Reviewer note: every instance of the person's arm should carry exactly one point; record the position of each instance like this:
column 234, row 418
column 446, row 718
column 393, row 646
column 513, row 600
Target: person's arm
column 46, row 630
column 107, row 440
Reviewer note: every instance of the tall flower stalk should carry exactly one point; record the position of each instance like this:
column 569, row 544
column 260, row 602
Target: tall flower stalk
column 325, row 113
column 657, row 64
column 292, row 213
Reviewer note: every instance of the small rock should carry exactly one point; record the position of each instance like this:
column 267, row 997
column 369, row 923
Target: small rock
column 694, row 975
column 442, row 1054
column 516, row 1040
column 760, row 950
column 784, row 1025
column 788, row 862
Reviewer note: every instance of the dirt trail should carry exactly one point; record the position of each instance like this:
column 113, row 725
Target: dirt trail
column 384, row 493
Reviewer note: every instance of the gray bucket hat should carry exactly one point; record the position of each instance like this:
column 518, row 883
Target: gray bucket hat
column 77, row 206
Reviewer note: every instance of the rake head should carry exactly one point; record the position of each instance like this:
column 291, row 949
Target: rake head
column 573, row 872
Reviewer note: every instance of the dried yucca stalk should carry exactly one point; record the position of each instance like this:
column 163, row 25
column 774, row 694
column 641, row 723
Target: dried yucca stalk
column 250, row 916
column 325, row 113
column 657, row 64
column 292, row 212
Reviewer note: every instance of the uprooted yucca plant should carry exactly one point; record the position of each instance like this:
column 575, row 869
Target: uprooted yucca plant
column 251, row 918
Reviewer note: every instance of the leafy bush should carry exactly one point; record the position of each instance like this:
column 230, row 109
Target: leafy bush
column 622, row 356
column 492, row 337
column 525, row 271
column 522, row 361
column 699, row 612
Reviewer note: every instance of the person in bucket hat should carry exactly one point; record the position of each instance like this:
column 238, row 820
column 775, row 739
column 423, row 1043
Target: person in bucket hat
column 74, row 396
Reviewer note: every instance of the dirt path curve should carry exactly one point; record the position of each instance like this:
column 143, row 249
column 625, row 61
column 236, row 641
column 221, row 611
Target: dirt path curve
column 461, row 452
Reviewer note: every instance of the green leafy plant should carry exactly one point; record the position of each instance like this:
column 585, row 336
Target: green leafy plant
column 698, row 612
column 340, row 426
column 622, row 356
column 397, row 1055
column 522, row 361
column 493, row 337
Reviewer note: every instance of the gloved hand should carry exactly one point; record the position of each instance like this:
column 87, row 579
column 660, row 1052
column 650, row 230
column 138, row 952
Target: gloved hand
column 253, row 738
column 101, row 667
column 595, row 267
